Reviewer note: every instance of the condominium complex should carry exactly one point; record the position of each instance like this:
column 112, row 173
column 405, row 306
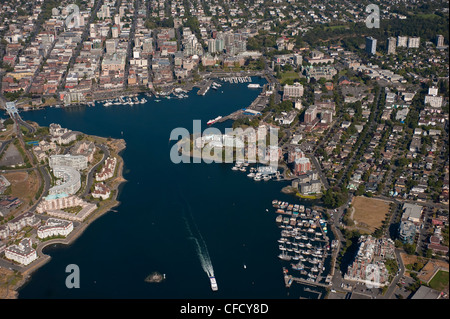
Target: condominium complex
column 71, row 180
column 107, row 170
column 368, row 266
column 310, row 114
column 371, row 45
column 292, row 91
column 413, row 42
column 23, row 253
column 391, row 42
column 78, row 162
column 55, row 227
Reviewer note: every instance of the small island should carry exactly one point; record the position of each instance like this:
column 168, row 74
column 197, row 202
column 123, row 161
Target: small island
column 155, row 277
column 53, row 183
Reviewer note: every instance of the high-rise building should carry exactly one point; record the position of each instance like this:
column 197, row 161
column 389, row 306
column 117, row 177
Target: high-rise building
column 292, row 91
column 220, row 44
column 117, row 19
column 212, row 46
column 110, row 45
column 391, row 42
column 298, row 59
column 147, row 46
column 327, row 116
column 402, row 41
column 371, row 45
column 440, row 40
column 413, row 42
column 115, row 31
column 294, row 154
column 302, row 165
column 310, row 114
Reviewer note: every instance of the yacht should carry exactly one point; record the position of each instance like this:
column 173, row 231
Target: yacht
column 213, row 283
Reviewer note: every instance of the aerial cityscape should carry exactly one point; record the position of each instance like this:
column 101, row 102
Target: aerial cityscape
column 240, row 149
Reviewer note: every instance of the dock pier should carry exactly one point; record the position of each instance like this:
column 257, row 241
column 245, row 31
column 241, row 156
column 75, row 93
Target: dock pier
column 309, row 283
column 205, row 88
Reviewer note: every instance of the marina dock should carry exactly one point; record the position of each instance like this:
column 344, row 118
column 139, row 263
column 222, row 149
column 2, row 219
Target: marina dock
column 232, row 116
column 205, row 88
column 303, row 244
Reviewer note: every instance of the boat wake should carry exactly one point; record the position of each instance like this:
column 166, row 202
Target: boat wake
column 200, row 245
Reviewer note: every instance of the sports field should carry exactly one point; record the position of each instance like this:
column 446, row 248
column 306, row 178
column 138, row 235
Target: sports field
column 369, row 213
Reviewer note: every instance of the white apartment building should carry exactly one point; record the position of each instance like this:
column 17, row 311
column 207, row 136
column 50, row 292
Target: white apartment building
column 23, row 253
column 413, row 42
column 293, row 91
column 71, row 180
column 55, row 227
column 78, row 162
column 107, row 170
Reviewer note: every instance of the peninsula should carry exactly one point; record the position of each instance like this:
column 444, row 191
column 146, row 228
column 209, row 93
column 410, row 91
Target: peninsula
column 55, row 182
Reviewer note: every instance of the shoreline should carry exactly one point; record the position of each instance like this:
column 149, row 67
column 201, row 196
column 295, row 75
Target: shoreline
column 79, row 230
column 131, row 92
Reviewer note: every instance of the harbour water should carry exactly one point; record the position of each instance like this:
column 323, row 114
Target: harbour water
column 165, row 208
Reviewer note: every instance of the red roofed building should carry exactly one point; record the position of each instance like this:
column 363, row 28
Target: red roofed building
column 9, row 59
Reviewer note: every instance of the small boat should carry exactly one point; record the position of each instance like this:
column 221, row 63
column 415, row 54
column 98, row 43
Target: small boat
column 214, row 287
column 284, row 257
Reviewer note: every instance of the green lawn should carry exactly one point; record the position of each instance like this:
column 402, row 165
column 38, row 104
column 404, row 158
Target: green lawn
column 440, row 280
column 289, row 76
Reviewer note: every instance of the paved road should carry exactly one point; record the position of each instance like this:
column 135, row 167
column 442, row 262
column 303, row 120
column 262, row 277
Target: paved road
column 399, row 275
column 84, row 37
column 90, row 175
column 322, row 176
column 31, row 129
column 131, row 43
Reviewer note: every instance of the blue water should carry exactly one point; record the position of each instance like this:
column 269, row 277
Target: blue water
column 149, row 230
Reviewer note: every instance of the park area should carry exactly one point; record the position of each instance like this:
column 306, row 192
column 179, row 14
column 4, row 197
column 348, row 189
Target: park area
column 24, row 185
column 368, row 213
column 439, row 281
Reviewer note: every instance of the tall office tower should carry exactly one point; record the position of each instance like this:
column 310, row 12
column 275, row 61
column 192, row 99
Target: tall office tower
column 212, row 46
column 391, row 42
column 440, row 40
column 220, row 44
column 402, row 41
column 413, row 42
column 310, row 114
column 371, row 45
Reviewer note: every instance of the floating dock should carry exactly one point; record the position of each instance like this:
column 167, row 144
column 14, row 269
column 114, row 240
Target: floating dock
column 205, row 88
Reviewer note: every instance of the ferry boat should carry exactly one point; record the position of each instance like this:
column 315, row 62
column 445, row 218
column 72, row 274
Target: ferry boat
column 214, row 287
column 214, row 120
column 253, row 86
